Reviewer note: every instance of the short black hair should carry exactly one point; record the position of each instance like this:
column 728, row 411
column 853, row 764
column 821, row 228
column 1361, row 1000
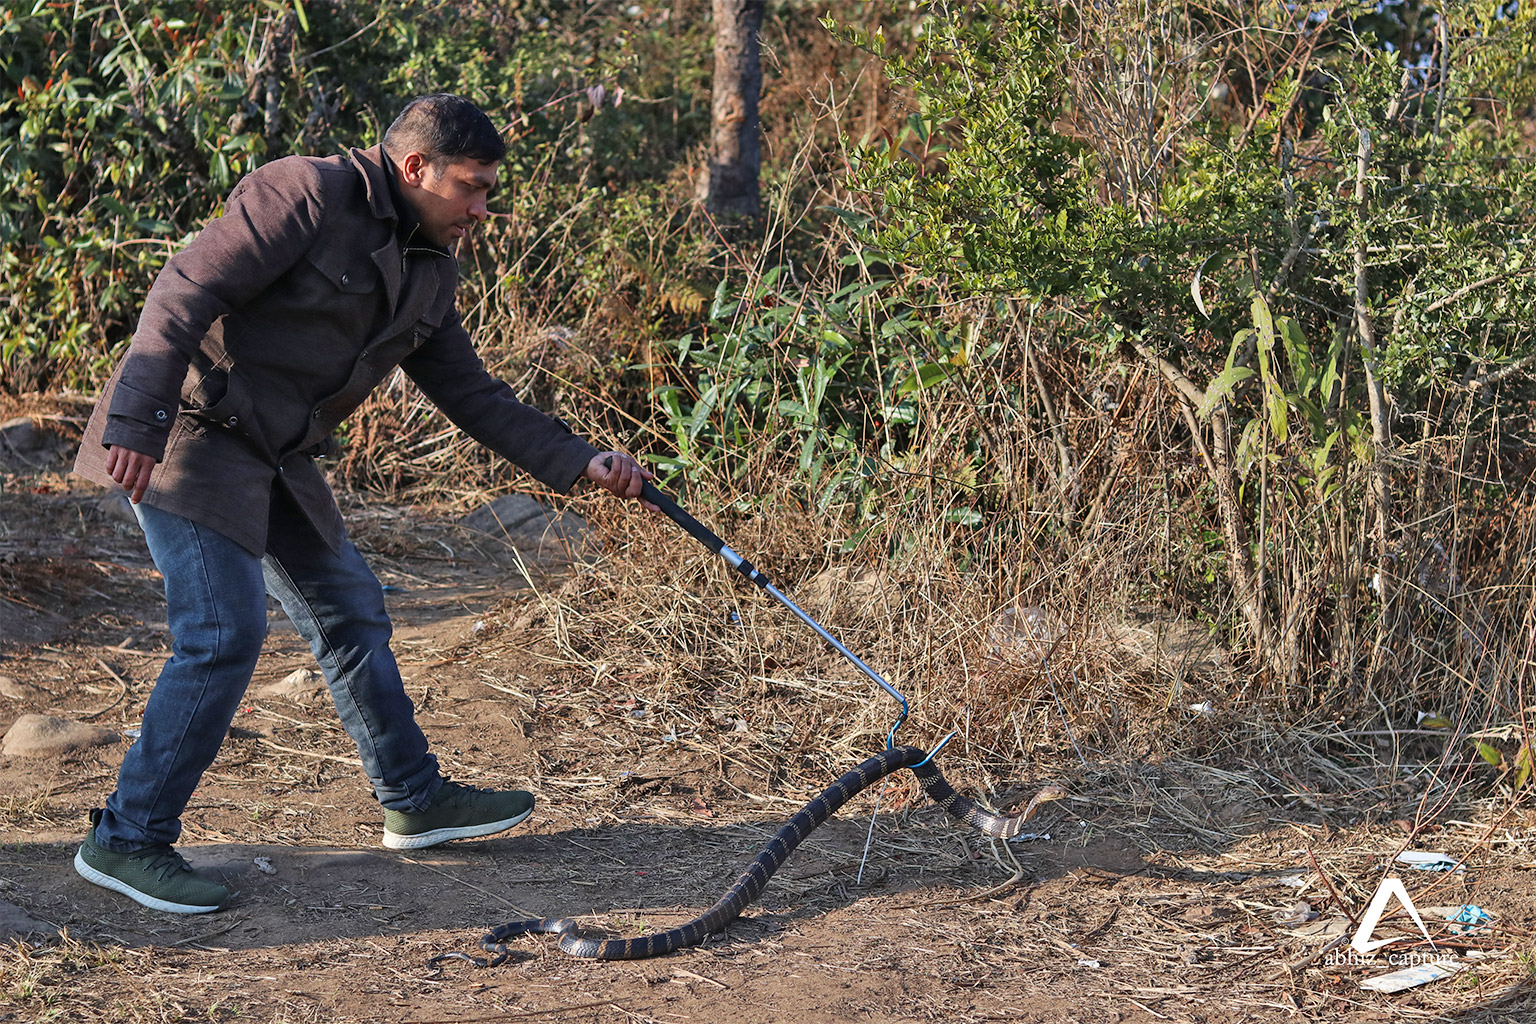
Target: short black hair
column 444, row 127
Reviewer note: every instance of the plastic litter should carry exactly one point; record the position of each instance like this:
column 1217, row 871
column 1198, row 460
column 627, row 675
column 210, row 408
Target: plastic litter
column 1412, row 977
column 1323, row 929
column 1297, row 914
column 1423, row 861
column 1469, row 919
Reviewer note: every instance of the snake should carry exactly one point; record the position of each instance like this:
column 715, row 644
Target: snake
column 750, row 885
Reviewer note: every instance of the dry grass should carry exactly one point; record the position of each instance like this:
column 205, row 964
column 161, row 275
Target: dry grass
column 1130, row 703
column 1069, row 639
column 1090, row 619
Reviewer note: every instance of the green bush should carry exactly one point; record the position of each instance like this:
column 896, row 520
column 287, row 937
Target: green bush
column 1077, row 162
column 126, row 125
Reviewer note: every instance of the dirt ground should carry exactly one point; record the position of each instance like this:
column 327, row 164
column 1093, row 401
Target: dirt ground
column 1119, row 914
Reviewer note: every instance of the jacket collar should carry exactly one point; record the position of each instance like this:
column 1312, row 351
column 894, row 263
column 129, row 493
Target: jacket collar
column 387, row 202
column 373, row 165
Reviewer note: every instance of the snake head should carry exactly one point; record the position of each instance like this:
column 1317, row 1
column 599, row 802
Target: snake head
column 1045, row 796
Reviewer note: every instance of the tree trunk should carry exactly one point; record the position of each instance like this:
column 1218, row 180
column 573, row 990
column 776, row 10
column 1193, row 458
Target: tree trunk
column 1241, row 568
column 736, row 150
column 1380, row 491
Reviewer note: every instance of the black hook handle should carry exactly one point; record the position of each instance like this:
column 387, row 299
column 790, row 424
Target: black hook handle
column 697, row 530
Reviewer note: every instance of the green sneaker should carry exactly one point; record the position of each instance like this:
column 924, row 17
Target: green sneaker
column 457, row 812
column 154, row 875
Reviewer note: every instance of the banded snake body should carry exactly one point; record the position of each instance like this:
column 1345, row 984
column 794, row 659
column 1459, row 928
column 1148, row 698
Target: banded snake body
column 752, row 882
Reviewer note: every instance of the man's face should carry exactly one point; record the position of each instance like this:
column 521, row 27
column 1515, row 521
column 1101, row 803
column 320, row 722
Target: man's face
column 449, row 197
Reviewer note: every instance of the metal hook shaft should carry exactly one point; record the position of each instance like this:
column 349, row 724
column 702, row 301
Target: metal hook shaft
column 701, row 533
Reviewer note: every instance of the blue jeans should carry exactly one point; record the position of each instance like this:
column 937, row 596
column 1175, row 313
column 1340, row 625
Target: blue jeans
column 215, row 593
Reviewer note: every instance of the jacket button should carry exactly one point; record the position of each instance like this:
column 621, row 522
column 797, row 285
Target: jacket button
column 346, row 278
column 160, row 415
column 232, row 421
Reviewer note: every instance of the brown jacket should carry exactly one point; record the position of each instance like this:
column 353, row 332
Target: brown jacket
column 272, row 326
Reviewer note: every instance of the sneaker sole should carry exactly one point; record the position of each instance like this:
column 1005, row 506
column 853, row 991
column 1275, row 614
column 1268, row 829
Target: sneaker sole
column 396, row 841
column 107, row 881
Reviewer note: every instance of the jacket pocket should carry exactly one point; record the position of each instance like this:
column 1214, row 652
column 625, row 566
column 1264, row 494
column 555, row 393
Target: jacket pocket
column 325, row 448
column 344, row 270
column 227, row 405
column 422, row 332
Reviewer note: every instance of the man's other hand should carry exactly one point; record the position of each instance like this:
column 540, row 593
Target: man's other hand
column 131, row 469
column 619, row 474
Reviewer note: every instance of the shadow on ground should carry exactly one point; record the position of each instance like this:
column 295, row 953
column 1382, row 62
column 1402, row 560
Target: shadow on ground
column 631, row 877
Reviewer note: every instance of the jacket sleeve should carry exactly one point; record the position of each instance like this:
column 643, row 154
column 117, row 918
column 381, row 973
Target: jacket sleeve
column 450, row 372
column 269, row 222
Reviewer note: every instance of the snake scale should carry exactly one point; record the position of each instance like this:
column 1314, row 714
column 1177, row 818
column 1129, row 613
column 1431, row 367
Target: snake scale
column 752, row 882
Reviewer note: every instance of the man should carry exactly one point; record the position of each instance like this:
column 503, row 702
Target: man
column 255, row 342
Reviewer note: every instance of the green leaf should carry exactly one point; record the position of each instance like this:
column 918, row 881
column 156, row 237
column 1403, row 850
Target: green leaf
column 1239, row 343
column 1263, row 322
column 918, row 126
column 1279, row 424
column 116, row 205
column 854, row 219
column 722, row 308
column 923, row 378
column 1222, row 387
column 1247, row 447
column 1490, row 753
column 1220, row 256
column 965, row 517
column 1298, row 354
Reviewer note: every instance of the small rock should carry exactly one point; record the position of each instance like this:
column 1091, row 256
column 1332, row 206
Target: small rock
column 12, row 690
column 505, row 515
column 16, row 923
column 22, row 434
column 44, row 736
column 300, row 685
column 116, row 505
column 539, row 534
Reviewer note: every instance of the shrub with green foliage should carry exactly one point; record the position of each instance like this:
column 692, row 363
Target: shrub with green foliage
column 125, row 125
column 1327, row 272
